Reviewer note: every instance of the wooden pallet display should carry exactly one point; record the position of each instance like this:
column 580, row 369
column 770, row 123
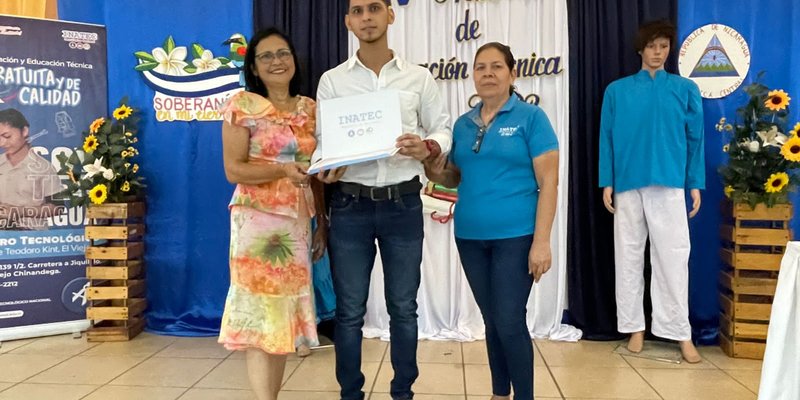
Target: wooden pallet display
column 116, row 271
column 754, row 241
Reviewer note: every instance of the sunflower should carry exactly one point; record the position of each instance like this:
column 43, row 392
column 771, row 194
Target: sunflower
column 96, row 124
column 135, row 168
column 729, row 191
column 98, row 194
column 777, row 100
column 90, row 144
column 124, row 154
column 776, row 182
column 126, row 186
column 796, row 130
column 726, row 148
column 122, row 112
column 791, row 149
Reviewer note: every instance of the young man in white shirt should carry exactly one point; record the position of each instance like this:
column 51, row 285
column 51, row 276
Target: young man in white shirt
column 380, row 200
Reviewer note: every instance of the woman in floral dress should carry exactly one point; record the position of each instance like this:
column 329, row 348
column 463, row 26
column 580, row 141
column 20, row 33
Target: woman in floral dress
column 268, row 138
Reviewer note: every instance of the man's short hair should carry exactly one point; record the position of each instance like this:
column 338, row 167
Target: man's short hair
column 387, row 2
column 653, row 30
column 13, row 118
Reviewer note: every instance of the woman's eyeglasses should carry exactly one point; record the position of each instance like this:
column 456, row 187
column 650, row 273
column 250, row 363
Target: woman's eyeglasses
column 476, row 147
column 267, row 57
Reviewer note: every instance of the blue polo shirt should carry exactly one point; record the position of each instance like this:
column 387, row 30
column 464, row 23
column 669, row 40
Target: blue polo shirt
column 498, row 194
column 651, row 133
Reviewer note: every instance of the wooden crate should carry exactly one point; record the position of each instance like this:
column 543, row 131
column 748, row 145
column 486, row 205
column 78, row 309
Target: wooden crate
column 116, row 272
column 742, row 348
column 116, row 211
column 126, row 270
column 108, row 331
column 124, row 232
column 120, row 310
column 749, row 308
column 742, row 282
column 116, row 289
column 753, row 243
column 112, row 250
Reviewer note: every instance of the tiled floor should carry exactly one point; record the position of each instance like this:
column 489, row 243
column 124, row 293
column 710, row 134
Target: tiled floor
column 164, row 368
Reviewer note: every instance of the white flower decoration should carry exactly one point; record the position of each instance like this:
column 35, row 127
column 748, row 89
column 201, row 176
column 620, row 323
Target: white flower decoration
column 98, row 168
column 206, row 62
column 772, row 137
column 172, row 63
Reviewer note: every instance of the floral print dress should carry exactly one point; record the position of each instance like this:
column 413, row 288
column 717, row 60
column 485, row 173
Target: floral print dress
column 270, row 303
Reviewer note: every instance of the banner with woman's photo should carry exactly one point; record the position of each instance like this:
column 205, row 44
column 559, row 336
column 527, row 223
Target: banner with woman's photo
column 53, row 83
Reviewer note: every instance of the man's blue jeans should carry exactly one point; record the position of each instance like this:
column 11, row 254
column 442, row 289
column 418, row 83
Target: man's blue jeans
column 356, row 224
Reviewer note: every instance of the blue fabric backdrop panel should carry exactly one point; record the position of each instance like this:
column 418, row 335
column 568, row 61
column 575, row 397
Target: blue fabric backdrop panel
column 187, row 194
column 771, row 31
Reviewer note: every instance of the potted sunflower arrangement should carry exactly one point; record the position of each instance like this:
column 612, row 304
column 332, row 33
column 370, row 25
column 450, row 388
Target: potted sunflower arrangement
column 763, row 151
column 103, row 176
column 104, row 169
column 763, row 156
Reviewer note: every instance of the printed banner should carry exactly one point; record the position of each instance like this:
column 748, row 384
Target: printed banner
column 53, row 83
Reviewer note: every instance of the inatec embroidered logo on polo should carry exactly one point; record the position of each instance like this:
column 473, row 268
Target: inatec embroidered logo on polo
column 508, row 131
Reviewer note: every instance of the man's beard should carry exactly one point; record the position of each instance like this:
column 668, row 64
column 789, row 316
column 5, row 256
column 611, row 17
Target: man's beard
column 376, row 39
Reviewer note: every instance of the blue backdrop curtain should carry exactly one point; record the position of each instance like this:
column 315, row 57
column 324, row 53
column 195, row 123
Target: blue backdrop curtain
column 770, row 29
column 187, row 194
column 601, row 41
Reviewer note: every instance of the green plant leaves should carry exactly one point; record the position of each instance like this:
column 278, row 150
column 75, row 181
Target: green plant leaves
column 197, row 50
column 145, row 56
column 148, row 66
column 169, row 45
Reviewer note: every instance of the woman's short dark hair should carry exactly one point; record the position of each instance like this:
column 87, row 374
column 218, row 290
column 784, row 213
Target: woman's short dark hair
column 508, row 57
column 13, row 118
column 253, row 82
column 653, row 30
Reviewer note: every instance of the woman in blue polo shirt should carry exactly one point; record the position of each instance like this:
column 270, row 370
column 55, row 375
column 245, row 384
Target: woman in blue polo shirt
column 505, row 164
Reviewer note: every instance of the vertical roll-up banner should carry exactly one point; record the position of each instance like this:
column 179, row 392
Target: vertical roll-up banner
column 53, row 84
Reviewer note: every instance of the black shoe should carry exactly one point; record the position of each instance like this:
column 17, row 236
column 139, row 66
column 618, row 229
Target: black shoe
column 326, row 328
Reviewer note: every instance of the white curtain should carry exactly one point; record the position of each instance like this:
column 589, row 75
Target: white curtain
column 424, row 33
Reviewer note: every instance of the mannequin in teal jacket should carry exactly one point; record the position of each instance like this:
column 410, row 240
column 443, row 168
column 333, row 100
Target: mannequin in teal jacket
column 651, row 151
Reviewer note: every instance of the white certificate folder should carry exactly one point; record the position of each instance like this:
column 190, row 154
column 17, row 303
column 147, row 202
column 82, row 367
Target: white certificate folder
column 359, row 128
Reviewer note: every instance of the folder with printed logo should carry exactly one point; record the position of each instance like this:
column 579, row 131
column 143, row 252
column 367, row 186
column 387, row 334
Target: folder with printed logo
column 357, row 129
